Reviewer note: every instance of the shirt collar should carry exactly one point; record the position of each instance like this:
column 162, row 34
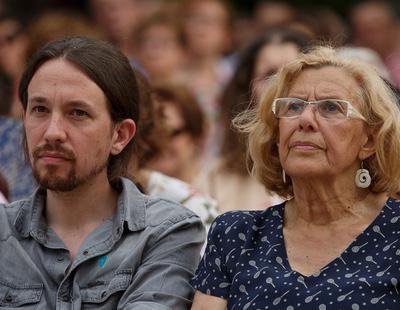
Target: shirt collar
column 131, row 208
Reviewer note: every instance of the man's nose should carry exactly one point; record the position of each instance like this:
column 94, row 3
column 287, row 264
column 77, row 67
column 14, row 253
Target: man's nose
column 55, row 131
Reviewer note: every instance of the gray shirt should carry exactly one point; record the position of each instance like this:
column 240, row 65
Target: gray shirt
column 141, row 258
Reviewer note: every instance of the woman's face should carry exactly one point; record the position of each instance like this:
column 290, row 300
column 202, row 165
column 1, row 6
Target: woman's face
column 311, row 146
column 206, row 28
column 269, row 60
column 181, row 149
column 160, row 51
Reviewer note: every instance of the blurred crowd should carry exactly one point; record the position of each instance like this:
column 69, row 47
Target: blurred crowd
column 203, row 63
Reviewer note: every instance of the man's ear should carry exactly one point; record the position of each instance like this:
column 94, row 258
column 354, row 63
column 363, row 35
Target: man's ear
column 123, row 133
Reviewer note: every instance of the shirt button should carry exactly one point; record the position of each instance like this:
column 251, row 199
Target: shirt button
column 103, row 294
column 8, row 298
column 65, row 298
column 86, row 252
column 60, row 259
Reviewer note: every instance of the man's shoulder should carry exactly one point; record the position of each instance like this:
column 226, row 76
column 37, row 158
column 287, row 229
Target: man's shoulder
column 160, row 210
column 9, row 215
column 155, row 210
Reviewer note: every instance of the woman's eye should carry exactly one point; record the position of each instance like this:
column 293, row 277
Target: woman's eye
column 295, row 106
column 330, row 106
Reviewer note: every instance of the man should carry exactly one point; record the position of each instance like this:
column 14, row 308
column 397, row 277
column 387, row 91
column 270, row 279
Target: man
column 87, row 238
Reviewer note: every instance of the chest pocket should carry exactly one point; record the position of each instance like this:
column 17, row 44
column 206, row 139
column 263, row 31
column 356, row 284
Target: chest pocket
column 106, row 292
column 24, row 296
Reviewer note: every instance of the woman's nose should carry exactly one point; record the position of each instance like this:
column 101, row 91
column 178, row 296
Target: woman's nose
column 307, row 118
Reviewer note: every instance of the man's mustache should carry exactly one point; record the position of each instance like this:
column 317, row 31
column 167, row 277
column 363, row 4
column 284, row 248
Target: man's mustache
column 54, row 149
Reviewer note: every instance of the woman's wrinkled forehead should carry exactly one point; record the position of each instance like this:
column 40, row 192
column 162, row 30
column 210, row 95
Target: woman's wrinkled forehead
column 327, row 81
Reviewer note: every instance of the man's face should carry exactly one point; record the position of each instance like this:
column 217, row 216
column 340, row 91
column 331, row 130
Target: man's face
column 69, row 131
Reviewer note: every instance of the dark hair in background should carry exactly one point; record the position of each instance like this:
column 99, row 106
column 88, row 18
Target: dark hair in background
column 6, row 94
column 186, row 103
column 237, row 96
column 109, row 69
column 4, row 189
column 151, row 135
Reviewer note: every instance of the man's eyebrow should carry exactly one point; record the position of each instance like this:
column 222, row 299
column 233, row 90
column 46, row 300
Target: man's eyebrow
column 39, row 99
column 80, row 104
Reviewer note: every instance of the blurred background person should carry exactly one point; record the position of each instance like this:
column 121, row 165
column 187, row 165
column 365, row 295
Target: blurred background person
column 376, row 25
column 160, row 48
column 322, row 24
column 4, row 191
column 13, row 45
column 17, row 173
column 152, row 140
column 55, row 24
column 186, row 132
column 118, row 20
column 208, row 38
column 269, row 14
column 368, row 56
column 228, row 179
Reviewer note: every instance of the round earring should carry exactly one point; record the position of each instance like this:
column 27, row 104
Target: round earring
column 363, row 178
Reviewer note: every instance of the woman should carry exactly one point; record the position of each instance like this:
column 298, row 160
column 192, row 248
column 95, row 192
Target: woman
column 160, row 47
column 326, row 135
column 182, row 156
column 227, row 179
column 152, row 138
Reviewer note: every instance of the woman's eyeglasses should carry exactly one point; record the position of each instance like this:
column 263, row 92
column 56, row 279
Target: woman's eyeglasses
column 326, row 108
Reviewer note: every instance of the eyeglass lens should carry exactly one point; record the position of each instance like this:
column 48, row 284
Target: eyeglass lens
column 289, row 107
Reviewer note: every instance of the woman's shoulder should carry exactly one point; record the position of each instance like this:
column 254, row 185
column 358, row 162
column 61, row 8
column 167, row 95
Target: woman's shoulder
column 166, row 187
column 245, row 220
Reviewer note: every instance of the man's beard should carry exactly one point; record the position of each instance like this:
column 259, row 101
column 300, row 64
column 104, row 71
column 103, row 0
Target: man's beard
column 49, row 179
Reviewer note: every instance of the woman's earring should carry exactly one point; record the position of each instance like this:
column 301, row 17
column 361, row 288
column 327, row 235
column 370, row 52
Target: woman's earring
column 283, row 176
column 363, row 178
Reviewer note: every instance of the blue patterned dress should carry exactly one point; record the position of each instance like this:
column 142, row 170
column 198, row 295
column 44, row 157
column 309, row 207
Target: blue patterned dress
column 13, row 167
column 246, row 264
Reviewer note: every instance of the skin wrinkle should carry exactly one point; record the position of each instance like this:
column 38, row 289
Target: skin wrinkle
column 333, row 163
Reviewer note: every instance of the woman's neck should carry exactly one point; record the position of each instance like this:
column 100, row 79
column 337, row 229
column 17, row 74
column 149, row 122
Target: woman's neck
column 320, row 205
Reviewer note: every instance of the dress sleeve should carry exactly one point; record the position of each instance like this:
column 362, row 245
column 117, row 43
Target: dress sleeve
column 212, row 276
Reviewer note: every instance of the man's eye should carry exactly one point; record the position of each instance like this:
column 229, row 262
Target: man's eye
column 79, row 113
column 39, row 109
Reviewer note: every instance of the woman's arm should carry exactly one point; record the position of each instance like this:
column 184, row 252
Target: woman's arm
column 205, row 302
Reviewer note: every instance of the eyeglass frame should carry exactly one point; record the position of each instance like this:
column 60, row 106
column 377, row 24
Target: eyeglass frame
column 351, row 111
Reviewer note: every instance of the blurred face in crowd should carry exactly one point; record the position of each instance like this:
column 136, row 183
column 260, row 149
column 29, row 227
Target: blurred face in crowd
column 181, row 150
column 269, row 60
column 117, row 18
column 313, row 146
column 13, row 46
column 69, row 131
column 270, row 14
column 160, row 51
column 373, row 27
column 206, row 28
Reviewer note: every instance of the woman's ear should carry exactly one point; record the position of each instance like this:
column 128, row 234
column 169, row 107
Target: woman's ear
column 368, row 148
column 123, row 133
